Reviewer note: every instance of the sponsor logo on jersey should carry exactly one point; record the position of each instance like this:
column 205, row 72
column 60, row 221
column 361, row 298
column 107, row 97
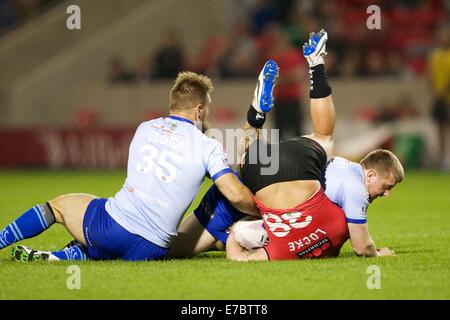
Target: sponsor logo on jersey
column 316, row 249
column 172, row 126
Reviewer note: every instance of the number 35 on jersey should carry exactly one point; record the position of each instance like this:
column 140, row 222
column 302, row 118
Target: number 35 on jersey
column 162, row 163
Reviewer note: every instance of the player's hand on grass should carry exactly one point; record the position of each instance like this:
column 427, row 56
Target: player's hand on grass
column 384, row 252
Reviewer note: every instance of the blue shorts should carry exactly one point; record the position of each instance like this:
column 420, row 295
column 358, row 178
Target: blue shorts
column 106, row 239
column 217, row 215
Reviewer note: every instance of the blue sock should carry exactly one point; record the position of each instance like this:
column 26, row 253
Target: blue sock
column 77, row 252
column 28, row 225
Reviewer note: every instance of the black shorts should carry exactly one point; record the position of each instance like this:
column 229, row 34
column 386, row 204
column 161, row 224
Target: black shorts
column 299, row 158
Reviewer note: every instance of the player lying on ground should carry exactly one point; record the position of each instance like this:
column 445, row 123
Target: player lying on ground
column 168, row 159
column 314, row 226
column 350, row 185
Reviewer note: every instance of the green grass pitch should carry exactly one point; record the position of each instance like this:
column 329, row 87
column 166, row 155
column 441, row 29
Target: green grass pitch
column 415, row 222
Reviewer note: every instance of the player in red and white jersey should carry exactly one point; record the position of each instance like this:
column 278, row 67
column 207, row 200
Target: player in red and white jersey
column 315, row 228
column 300, row 220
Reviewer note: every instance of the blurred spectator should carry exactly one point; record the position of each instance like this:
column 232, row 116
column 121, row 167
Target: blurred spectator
column 288, row 93
column 143, row 69
column 118, row 71
column 169, row 58
column 239, row 58
column 439, row 74
column 329, row 15
column 395, row 64
column 209, row 56
column 261, row 15
column 282, row 10
column 234, row 11
column 398, row 49
column 374, row 64
column 310, row 24
column 295, row 28
column 401, row 109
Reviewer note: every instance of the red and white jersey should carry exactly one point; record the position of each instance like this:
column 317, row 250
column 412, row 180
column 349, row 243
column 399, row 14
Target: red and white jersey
column 315, row 229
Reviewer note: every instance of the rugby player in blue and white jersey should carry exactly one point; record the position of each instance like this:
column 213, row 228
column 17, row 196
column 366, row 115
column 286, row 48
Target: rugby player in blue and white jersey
column 168, row 160
column 352, row 186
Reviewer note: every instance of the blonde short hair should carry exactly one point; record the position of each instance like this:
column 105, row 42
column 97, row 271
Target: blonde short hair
column 189, row 90
column 384, row 162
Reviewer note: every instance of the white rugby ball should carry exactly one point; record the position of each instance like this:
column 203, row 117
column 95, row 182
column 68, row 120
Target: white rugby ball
column 250, row 234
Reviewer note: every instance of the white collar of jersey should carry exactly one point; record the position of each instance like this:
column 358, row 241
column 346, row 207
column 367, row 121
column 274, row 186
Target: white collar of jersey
column 363, row 178
column 181, row 119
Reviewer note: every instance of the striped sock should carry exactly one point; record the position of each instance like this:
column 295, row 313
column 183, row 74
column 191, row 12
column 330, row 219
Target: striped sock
column 28, row 225
column 77, row 252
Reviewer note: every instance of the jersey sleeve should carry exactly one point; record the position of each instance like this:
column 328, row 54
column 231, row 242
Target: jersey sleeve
column 355, row 203
column 216, row 160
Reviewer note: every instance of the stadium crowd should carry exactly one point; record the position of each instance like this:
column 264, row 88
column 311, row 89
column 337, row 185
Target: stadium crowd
column 398, row 49
column 404, row 47
column 409, row 44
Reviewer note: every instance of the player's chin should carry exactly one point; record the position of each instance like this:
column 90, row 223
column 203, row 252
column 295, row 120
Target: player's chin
column 372, row 198
column 205, row 126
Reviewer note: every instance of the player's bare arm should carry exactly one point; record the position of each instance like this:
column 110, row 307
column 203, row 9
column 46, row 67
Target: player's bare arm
column 238, row 194
column 362, row 242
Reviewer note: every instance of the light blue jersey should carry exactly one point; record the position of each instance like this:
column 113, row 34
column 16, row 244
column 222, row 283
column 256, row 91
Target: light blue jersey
column 345, row 187
column 167, row 162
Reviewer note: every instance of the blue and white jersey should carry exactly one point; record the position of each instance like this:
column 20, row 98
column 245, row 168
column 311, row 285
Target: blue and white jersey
column 345, row 187
column 167, row 162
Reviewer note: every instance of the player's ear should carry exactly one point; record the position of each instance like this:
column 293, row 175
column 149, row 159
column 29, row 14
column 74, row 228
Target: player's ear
column 371, row 175
column 198, row 112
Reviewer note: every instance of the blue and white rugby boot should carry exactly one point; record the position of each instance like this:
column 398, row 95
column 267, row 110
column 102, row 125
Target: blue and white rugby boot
column 315, row 49
column 263, row 99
